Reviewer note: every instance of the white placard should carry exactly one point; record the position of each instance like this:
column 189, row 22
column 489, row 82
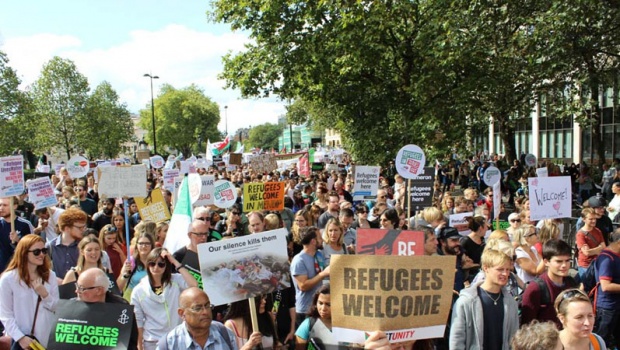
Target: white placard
column 157, row 162
column 366, row 182
column 195, row 185
column 169, row 176
column 497, row 199
column 122, row 181
column 11, row 176
column 491, row 176
column 77, row 167
column 41, row 193
column 460, row 224
column 542, row 172
column 410, row 161
column 550, row 197
column 530, row 160
column 206, row 191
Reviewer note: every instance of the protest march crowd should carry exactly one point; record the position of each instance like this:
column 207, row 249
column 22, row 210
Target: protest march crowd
column 519, row 283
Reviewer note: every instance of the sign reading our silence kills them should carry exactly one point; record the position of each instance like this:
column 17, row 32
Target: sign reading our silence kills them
column 550, row 197
column 366, row 182
column 263, row 196
column 11, row 176
column 83, row 325
column 422, row 188
column 408, row 297
column 244, row 267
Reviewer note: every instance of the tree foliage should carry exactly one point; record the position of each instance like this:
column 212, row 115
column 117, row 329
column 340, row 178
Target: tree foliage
column 265, row 136
column 59, row 96
column 182, row 116
column 107, row 124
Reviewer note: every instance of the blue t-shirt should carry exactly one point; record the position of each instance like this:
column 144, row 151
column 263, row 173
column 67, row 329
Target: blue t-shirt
column 303, row 264
column 608, row 268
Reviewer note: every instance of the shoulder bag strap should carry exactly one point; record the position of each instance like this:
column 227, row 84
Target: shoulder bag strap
column 594, row 341
column 36, row 312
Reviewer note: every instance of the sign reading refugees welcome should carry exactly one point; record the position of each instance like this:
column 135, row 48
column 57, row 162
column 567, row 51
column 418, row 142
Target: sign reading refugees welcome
column 408, row 297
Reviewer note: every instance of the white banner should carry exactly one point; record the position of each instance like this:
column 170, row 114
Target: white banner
column 366, row 182
column 122, row 181
column 550, row 197
column 169, row 176
column 11, row 176
column 206, row 191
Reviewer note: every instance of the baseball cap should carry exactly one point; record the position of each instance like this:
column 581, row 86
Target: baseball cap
column 448, row 233
column 596, row 202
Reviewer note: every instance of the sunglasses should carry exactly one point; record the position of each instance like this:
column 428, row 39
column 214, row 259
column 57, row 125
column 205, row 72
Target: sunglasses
column 111, row 229
column 207, row 218
column 161, row 264
column 515, row 220
column 571, row 293
column 234, row 213
column 38, row 252
column 532, row 234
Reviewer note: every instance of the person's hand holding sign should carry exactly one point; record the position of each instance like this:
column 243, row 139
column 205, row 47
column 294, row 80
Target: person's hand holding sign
column 255, row 339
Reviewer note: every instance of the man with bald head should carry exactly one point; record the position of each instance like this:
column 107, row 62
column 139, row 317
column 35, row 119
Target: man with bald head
column 92, row 287
column 188, row 255
column 198, row 331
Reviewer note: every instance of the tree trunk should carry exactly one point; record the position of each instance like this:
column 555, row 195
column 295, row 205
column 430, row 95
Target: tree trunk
column 507, row 134
column 597, row 135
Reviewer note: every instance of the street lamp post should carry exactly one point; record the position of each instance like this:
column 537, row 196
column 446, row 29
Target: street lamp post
column 153, row 111
column 226, row 119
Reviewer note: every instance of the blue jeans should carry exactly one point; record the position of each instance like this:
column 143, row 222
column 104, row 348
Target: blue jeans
column 607, row 326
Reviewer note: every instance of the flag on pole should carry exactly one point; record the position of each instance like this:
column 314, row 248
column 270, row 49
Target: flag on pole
column 220, row 147
column 181, row 220
column 209, row 155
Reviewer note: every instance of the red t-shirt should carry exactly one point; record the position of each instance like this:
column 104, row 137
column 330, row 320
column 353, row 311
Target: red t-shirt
column 592, row 239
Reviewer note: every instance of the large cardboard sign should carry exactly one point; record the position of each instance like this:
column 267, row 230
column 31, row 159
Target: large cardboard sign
column 122, row 181
column 366, row 182
column 264, row 163
column 244, row 267
column 422, row 189
column 550, row 197
column 41, row 193
column 263, row 196
column 235, row 158
column 83, row 325
column 408, row 297
column 410, row 161
column 169, row 176
column 11, row 176
column 77, row 167
column 206, row 191
column 389, row 242
column 153, row 207
column 458, row 222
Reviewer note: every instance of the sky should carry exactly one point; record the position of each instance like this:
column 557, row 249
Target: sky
column 119, row 41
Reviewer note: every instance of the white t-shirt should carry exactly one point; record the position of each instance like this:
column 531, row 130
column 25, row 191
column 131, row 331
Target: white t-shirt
column 520, row 253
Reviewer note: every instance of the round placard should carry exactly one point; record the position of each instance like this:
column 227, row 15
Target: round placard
column 77, row 167
column 410, row 161
column 491, row 176
column 224, row 194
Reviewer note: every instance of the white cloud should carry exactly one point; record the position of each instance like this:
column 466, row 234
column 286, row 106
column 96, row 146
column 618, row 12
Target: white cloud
column 178, row 55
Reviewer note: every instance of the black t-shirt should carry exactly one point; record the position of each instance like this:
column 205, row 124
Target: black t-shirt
column 472, row 249
column 493, row 318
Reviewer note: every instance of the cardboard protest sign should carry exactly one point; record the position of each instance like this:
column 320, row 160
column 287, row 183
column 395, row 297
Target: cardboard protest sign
column 187, row 167
column 264, row 163
column 224, row 194
column 83, row 325
column 408, row 297
column 410, row 161
column 503, row 225
column 41, row 193
column 530, row 160
column 263, row 196
column 317, row 166
column 206, row 191
column 77, row 167
column 153, row 207
column 244, row 267
column 491, row 176
column 43, row 168
column 57, row 168
column 235, row 158
column 11, row 176
column 122, row 181
column 366, row 182
column 303, row 166
column 177, row 185
column 169, row 176
column 422, row 188
column 550, row 197
column 389, row 242
column 331, row 167
column 542, row 172
column 458, row 222
column 157, row 162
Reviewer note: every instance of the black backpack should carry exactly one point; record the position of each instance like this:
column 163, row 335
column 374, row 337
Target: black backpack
column 589, row 278
column 545, row 296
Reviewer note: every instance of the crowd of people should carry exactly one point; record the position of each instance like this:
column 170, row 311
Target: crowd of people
column 514, row 287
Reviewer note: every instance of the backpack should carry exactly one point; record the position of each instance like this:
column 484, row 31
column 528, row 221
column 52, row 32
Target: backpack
column 589, row 278
column 545, row 296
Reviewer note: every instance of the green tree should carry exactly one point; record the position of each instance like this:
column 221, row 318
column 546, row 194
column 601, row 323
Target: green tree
column 265, row 136
column 107, row 125
column 182, row 116
column 369, row 70
column 59, row 96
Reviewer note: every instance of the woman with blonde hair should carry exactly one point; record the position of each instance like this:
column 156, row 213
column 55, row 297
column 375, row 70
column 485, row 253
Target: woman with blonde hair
column 528, row 263
column 28, row 293
column 333, row 239
column 547, row 232
column 90, row 257
column 302, row 219
column 161, row 231
column 575, row 312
